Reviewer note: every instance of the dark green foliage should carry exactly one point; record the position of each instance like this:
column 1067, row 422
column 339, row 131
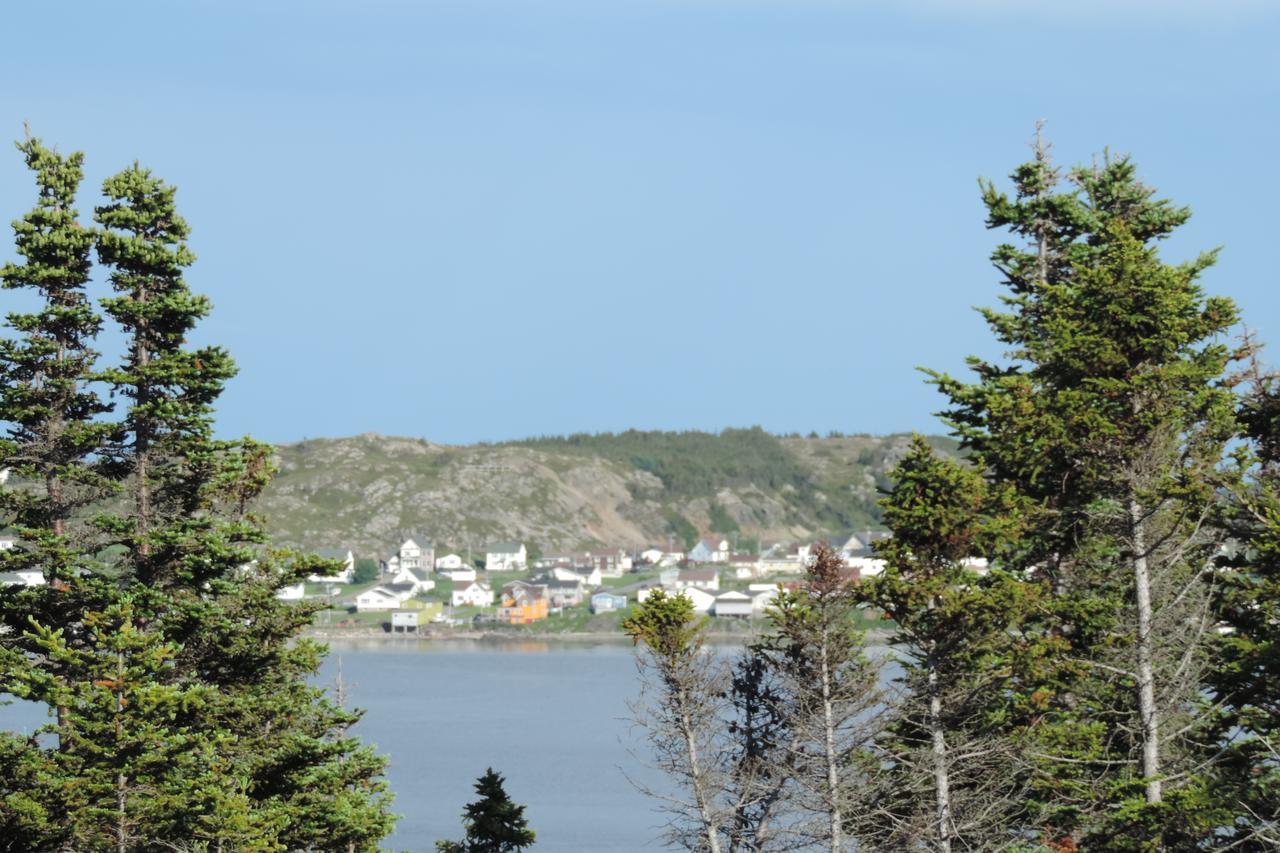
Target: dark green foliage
column 184, row 713
column 950, row 774
column 366, row 571
column 682, row 529
column 692, row 464
column 1246, row 680
column 828, row 696
column 1113, row 421
column 494, row 824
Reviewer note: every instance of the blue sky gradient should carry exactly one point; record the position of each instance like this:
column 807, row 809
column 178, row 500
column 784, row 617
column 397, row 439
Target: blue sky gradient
column 483, row 220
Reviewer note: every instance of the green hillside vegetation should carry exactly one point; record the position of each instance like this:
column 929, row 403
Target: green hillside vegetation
column 554, row 492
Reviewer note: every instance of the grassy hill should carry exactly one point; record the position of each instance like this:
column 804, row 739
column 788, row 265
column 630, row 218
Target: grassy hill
column 627, row 488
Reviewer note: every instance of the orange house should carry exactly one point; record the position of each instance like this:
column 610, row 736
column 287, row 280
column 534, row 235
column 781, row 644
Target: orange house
column 523, row 603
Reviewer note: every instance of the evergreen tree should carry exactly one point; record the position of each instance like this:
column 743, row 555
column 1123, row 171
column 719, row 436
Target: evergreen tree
column 829, row 691
column 1113, row 417
column 683, row 719
column 49, row 450
column 950, row 776
column 193, row 549
column 185, row 719
column 494, row 824
column 1246, row 678
column 759, row 766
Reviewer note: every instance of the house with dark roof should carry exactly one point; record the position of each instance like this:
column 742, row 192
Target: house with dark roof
column 417, row 552
column 564, row 593
column 506, row 557
column 611, row 562
column 419, row 579
column 699, row 578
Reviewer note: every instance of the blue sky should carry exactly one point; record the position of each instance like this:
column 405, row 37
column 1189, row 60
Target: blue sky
column 481, row 220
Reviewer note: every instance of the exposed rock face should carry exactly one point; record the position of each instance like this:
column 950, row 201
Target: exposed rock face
column 366, row 491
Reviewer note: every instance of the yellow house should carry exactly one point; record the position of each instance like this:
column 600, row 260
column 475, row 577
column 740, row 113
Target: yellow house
column 523, row 603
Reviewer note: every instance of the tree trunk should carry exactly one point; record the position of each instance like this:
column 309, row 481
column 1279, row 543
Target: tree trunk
column 699, row 781
column 122, row 781
column 941, row 784
column 1146, row 679
column 833, row 766
column 142, row 430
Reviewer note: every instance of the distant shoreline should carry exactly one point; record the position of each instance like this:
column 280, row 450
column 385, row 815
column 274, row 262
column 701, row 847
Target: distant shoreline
column 874, row 636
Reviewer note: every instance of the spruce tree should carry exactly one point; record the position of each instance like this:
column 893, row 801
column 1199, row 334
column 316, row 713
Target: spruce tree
column 950, row 778
column 49, row 450
column 1112, row 416
column 1246, row 677
column 194, row 551
column 683, row 715
column 185, row 716
column 494, row 824
column 829, row 692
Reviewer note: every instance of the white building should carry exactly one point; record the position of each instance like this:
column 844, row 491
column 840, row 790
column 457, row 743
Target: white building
column 506, row 557
column 733, row 604
column 417, row 552
column 293, row 592
column 474, row 594
column 448, row 562
column 703, row 601
column 707, row 578
column 381, row 598
column 419, row 579
column 459, row 575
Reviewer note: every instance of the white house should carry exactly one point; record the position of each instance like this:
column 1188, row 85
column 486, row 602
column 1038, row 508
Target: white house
column 506, row 557
column 696, row 578
column 652, row 556
column 474, row 594
column 464, row 574
column 417, row 552
column 348, row 561
column 702, row 600
column 448, row 562
column 733, row 604
column 745, row 565
column 382, row 598
column 712, row 550
column 586, row 577
column 611, row 562
column 420, row 579
column 762, row 600
column 293, row 592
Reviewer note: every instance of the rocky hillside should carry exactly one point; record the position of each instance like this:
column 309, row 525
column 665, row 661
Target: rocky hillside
column 629, row 488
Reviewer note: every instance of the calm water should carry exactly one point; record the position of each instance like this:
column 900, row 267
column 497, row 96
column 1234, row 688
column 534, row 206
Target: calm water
column 549, row 717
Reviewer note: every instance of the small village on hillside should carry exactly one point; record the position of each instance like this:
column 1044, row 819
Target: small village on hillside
column 416, row 587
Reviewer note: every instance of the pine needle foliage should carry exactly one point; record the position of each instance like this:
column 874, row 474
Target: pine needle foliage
column 185, row 716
